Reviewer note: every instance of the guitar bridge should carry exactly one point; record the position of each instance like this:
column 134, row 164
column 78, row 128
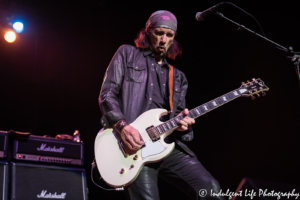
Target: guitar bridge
column 153, row 133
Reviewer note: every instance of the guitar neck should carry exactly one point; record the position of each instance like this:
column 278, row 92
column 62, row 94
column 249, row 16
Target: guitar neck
column 200, row 110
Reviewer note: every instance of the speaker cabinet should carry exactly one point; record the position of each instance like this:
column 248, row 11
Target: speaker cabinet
column 3, row 181
column 30, row 181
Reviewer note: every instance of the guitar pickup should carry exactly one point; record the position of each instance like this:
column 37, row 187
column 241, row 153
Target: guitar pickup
column 153, row 133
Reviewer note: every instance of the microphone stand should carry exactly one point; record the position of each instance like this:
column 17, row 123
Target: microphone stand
column 295, row 56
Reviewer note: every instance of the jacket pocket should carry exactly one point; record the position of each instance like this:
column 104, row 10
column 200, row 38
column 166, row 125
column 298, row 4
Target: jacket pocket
column 177, row 93
column 136, row 72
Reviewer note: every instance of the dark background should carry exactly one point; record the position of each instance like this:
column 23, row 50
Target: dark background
column 50, row 79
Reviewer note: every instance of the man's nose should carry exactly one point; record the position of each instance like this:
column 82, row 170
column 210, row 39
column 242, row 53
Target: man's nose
column 163, row 38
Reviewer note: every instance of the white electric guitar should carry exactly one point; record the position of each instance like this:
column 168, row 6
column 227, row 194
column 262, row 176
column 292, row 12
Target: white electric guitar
column 119, row 166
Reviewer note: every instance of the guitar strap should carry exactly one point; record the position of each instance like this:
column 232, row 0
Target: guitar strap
column 171, row 86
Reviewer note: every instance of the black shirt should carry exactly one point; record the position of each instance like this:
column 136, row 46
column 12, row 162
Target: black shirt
column 160, row 77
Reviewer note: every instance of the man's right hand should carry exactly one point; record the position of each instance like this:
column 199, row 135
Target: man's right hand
column 131, row 138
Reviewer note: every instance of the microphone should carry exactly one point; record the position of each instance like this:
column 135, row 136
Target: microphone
column 200, row 15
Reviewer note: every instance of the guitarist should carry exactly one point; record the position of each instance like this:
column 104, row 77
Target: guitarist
column 138, row 79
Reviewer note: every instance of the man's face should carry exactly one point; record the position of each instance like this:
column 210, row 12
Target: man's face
column 161, row 40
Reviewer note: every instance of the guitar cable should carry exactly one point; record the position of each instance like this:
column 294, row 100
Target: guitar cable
column 92, row 170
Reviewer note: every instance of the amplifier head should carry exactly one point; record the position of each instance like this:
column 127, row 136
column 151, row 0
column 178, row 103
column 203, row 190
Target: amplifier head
column 40, row 149
column 3, row 144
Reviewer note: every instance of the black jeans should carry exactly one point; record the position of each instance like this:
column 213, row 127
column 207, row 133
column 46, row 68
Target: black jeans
column 181, row 170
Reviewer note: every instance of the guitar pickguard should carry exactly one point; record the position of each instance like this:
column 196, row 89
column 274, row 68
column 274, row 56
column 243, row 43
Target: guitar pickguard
column 152, row 148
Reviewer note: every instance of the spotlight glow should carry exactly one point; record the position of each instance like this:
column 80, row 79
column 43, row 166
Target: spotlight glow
column 18, row 27
column 10, row 36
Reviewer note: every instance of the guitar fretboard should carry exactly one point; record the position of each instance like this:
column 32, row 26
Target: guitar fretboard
column 200, row 110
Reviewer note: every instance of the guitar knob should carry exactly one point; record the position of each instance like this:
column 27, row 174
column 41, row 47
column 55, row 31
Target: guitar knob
column 135, row 157
column 252, row 97
column 122, row 171
column 258, row 95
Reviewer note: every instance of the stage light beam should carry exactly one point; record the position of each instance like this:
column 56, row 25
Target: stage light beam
column 10, row 36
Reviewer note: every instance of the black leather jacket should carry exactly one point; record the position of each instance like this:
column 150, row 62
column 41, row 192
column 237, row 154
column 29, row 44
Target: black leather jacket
column 126, row 91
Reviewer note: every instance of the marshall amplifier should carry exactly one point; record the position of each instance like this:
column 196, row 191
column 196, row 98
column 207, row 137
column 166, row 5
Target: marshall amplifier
column 41, row 149
column 3, row 181
column 36, row 182
column 3, row 143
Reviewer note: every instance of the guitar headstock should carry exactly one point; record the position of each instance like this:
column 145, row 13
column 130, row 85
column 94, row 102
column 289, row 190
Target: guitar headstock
column 254, row 87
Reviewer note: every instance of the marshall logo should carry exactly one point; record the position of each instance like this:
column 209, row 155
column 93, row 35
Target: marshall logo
column 44, row 147
column 50, row 195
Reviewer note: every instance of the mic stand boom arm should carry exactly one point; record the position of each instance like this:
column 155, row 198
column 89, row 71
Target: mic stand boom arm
column 295, row 55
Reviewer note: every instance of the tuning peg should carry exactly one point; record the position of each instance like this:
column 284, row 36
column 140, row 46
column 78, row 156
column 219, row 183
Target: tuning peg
column 258, row 95
column 249, row 82
column 254, row 80
column 252, row 97
column 263, row 94
column 243, row 83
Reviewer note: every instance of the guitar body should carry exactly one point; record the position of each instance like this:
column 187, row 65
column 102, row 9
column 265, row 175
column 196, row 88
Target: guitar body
column 119, row 166
column 116, row 169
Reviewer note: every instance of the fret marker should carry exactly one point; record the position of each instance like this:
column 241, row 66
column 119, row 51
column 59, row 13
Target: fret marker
column 224, row 98
column 235, row 93
column 168, row 125
column 172, row 123
column 158, row 128
column 177, row 119
column 215, row 104
column 242, row 90
column 205, row 107
column 165, row 127
column 197, row 111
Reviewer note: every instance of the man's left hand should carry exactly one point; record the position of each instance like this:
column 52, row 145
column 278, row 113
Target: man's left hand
column 185, row 122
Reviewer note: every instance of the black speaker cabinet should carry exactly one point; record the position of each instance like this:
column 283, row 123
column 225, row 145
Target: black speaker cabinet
column 3, row 181
column 30, row 182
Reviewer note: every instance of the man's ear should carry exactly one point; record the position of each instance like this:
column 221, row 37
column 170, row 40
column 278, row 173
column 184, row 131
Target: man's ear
column 147, row 31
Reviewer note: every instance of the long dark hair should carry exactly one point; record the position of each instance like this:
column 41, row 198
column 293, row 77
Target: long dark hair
column 142, row 42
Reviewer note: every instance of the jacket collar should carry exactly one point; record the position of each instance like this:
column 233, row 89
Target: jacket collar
column 148, row 52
